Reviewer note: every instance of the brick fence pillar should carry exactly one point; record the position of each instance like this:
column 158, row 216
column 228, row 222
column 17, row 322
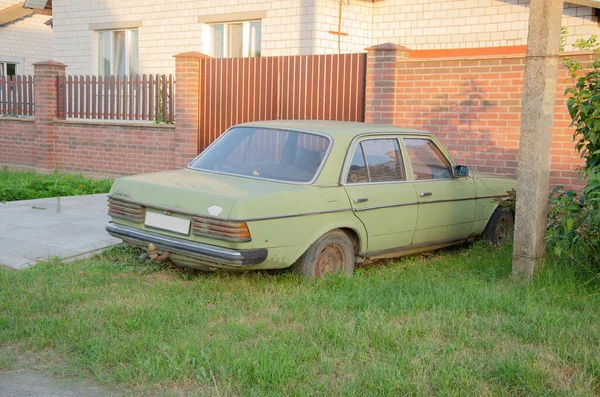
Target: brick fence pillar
column 187, row 105
column 380, row 98
column 46, row 110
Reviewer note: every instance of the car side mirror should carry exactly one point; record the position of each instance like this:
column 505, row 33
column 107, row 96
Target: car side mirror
column 461, row 171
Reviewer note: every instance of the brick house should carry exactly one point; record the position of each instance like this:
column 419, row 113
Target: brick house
column 114, row 36
column 26, row 36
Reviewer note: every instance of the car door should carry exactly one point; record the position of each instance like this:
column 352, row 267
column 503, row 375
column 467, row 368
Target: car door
column 381, row 196
column 446, row 204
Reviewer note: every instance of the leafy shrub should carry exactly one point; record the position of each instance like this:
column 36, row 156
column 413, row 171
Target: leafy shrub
column 574, row 225
column 509, row 201
column 574, row 219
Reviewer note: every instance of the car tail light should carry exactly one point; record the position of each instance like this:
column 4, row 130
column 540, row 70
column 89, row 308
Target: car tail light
column 127, row 211
column 223, row 230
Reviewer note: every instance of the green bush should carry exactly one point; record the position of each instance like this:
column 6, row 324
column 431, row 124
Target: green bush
column 574, row 219
column 574, row 225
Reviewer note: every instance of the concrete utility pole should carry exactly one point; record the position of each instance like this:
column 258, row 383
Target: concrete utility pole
column 537, row 117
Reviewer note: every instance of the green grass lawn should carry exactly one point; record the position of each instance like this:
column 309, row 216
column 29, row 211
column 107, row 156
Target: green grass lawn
column 455, row 323
column 17, row 185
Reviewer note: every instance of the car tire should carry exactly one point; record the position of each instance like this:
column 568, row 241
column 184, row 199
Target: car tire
column 331, row 253
column 500, row 227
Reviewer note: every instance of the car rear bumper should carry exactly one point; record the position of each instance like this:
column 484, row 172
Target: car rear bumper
column 207, row 255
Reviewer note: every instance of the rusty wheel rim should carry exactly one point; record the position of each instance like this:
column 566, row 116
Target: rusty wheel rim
column 503, row 232
column 330, row 260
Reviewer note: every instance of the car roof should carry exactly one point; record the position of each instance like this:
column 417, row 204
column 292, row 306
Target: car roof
column 335, row 129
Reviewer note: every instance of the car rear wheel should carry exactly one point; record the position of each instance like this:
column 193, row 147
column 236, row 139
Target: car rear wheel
column 331, row 253
column 500, row 227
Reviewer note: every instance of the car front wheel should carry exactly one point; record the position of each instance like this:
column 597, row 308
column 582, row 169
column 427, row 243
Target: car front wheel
column 500, row 227
column 331, row 253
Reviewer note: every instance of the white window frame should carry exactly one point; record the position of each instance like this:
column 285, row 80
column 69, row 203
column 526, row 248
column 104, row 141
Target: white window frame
column 16, row 61
column 100, row 71
column 208, row 43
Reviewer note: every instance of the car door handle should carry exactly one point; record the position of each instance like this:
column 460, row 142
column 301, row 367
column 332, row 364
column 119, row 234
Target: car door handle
column 425, row 194
column 361, row 200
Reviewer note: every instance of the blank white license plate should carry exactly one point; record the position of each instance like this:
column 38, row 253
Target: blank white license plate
column 168, row 223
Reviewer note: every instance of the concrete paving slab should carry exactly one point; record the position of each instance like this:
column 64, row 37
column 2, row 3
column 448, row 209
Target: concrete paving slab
column 28, row 383
column 34, row 230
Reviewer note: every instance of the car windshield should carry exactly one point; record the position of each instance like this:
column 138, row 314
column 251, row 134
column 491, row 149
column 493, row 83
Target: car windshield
column 281, row 155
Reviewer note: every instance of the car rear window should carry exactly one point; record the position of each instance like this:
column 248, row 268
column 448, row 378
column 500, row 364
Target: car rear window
column 281, row 155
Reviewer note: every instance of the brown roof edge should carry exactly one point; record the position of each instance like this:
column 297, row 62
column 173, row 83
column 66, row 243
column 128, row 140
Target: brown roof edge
column 12, row 13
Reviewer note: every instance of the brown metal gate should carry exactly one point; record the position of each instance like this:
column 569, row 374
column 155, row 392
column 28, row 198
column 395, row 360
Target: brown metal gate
column 316, row 87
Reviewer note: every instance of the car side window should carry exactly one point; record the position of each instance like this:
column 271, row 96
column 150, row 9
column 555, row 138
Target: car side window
column 427, row 160
column 377, row 160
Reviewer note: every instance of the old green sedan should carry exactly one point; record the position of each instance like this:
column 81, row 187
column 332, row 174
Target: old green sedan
column 317, row 195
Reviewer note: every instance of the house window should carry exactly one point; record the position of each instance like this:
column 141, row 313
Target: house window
column 8, row 69
column 118, row 52
column 235, row 39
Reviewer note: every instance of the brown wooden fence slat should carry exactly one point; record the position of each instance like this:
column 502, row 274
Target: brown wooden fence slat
column 24, row 99
column 69, row 96
column 164, row 97
column 94, row 84
column 144, row 99
column 131, row 94
column 105, row 107
column 4, row 101
column 171, row 99
column 3, row 95
column 8, row 94
column 23, row 90
column 61, row 82
column 19, row 95
column 113, row 97
column 156, row 97
column 125, row 83
column 88, row 97
column 31, row 98
column 25, row 96
column 151, row 97
column 100, row 97
column 11, row 97
column 81, row 97
column 117, row 111
column 136, row 87
column 76, row 97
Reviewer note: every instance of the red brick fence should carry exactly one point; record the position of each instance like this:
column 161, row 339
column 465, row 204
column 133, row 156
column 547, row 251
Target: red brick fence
column 471, row 102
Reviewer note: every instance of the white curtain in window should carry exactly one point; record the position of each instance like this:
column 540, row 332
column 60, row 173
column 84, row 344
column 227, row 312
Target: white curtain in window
column 235, row 40
column 104, row 53
column 119, row 53
column 132, row 52
column 218, row 39
column 254, row 39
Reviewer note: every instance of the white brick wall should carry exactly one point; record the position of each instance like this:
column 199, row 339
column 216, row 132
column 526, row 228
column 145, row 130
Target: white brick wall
column 445, row 24
column 293, row 27
column 171, row 27
column 26, row 39
column 357, row 21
